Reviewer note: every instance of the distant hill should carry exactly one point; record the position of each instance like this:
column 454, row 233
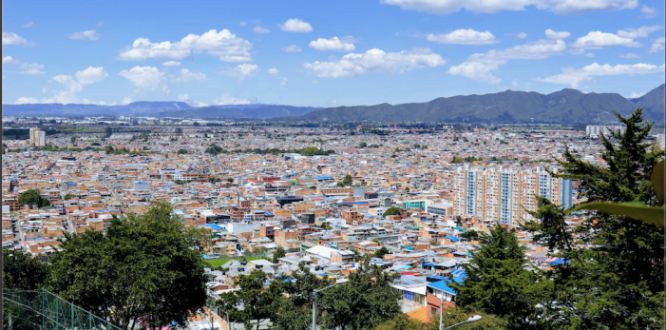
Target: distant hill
column 240, row 111
column 56, row 109
column 566, row 106
column 653, row 103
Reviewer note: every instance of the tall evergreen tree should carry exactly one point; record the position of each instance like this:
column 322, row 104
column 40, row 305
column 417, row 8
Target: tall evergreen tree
column 615, row 278
column 498, row 282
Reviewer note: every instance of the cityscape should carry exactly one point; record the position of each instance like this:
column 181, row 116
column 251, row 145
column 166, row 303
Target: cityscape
column 372, row 198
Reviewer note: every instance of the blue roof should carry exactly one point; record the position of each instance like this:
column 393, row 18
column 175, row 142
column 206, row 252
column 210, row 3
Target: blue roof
column 442, row 286
column 453, row 238
column 214, row 226
column 428, row 264
column 438, row 277
column 324, row 177
column 270, row 214
column 559, row 262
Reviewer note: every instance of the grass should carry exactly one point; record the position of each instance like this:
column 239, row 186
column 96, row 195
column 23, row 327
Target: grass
column 220, row 262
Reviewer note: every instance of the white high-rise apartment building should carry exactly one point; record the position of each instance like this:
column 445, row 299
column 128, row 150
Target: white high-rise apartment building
column 503, row 193
column 603, row 129
column 37, row 137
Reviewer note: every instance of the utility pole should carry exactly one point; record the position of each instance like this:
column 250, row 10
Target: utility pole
column 314, row 305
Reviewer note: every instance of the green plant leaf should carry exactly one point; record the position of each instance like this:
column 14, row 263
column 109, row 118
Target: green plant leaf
column 634, row 210
column 657, row 179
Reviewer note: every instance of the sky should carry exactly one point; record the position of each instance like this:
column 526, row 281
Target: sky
column 325, row 53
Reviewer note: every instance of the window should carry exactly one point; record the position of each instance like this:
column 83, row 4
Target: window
column 433, row 311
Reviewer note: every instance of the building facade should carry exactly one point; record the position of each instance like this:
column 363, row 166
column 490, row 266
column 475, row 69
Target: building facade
column 37, row 138
column 504, row 193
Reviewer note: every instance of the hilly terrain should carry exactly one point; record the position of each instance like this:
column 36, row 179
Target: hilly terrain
column 566, row 106
column 243, row 111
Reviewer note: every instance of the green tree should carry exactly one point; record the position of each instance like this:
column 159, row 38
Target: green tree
column 391, row 211
column 498, row 282
column 73, row 139
column 362, row 145
column 457, row 160
column 214, row 149
column 258, row 304
column 279, row 253
column 179, row 130
column 22, row 271
column 32, row 197
column 381, row 252
column 402, row 322
column 365, row 301
column 182, row 151
column 142, row 266
column 108, row 131
column 615, row 278
column 469, row 235
column 69, row 196
column 347, row 181
column 451, row 316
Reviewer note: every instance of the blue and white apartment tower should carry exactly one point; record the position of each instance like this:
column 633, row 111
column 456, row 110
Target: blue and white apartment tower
column 502, row 194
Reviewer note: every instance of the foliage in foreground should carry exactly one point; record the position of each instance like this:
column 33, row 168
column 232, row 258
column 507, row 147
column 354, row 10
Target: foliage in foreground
column 142, row 266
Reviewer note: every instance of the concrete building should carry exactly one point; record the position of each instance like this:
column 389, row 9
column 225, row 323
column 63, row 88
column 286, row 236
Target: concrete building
column 503, row 193
column 597, row 130
column 37, row 137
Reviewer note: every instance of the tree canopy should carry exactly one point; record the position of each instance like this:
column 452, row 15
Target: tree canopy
column 391, row 211
column 31, row 197
column 142, row 266
column 614, row 277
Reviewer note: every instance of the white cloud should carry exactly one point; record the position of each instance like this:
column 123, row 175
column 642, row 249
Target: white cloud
column 333, row 44
column 374, row 61
column 83, row 35
column 99, row 24
column 187, row 75
column 598, row 39
column 126, row 101
column 171, row 63
column 10, row 38
column 557, row 35
column 292, row 49
column 283, row 82
column 73, row 85
column 521, row 35
column 273, row 72
column 649, row 12
column 641, row 32
column 91, row 75
column 259, row 29
column 481, row 66
column 26, row 68
column 635, row 95
column 559, row 7
column 145, row 77
column 629, row 55
column 29, row 24
column 657, row 46
column 464, row 37
column 590, row 55
column 226, row 99
column 26, row 100
column 223, row 44
column 573, row 77
column 296, row 25
column 243, row 71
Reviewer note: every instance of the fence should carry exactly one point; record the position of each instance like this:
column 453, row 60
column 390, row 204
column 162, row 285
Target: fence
column 40, row 309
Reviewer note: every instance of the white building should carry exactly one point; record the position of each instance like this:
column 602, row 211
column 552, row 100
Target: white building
column 37, row 137
column 597, row 130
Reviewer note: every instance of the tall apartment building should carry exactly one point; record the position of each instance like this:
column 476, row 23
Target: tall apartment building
column 603, row 129
column 503, row 193
column 37, row 137
column 661, row 141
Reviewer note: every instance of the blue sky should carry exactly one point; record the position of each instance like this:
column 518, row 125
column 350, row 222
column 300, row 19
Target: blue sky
column 316, row 53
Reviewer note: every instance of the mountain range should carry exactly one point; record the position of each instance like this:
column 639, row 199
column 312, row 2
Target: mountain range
column 568, row 106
